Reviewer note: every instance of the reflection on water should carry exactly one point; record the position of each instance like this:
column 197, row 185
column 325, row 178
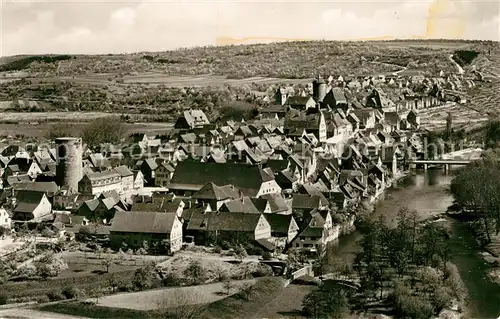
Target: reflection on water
column 428, row 193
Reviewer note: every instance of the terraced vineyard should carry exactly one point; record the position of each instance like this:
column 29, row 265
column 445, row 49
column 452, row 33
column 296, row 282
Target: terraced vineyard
column 434, row 119
column 486, row 97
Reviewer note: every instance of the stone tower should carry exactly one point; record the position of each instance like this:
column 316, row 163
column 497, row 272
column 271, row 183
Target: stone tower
column 69, row 169
column 319, row 89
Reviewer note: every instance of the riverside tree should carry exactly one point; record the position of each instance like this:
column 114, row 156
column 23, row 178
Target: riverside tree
column 475, row 189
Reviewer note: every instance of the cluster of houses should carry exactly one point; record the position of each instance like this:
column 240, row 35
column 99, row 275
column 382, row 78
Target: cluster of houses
column 290, row 178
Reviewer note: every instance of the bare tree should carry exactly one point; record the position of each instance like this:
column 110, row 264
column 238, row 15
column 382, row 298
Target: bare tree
column 179, row 305
column 247, row 291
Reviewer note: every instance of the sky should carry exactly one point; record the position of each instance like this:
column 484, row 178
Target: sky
column 112, row 26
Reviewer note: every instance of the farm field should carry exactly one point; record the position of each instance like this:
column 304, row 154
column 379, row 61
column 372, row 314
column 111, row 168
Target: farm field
column 463, row 117
column 40, row 130
column 172, row 81
column 171, row 297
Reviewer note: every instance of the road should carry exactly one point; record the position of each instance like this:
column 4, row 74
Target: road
column 459, row 68
column 25, row 313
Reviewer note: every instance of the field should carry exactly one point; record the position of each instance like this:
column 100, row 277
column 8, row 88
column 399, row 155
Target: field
column 434, row 119
column 41, row 130
column 170, row 80
column 171, row 297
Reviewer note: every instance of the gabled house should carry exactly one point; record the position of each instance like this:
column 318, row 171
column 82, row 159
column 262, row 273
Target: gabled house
column 301, row 102
column 31, row 206
column 191, row 119
column 127, row 178
column 215, row 195
column 282, row 226
column 136, row 228
column 255, row 226
column 5, row 219
column 99, row 182
column 148, row 168
column 163, row 174
column 189, row 177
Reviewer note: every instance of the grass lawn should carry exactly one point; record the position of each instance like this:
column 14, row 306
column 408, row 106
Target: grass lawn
column 170, row 297
column 287, row 304
column 265, row 291
column 81, row 309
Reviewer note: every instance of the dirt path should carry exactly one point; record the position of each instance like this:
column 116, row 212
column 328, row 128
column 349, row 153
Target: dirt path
column 22, row 313
column 171, row 297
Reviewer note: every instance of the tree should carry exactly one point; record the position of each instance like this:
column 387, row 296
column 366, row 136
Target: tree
column 195, row 272
column 62, row 130
column 102, row 131
column 227, row 285
column 325, row 303
column 240, row 253
column 247, row 291
column 107, row 261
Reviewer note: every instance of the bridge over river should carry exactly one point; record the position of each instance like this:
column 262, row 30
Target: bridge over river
column 458, row 158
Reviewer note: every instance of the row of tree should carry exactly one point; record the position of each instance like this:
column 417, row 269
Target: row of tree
column 405, row 268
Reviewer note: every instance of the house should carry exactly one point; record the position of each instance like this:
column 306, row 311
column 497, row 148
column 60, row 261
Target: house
column 189, row 177
column 335, row 98
column 5, row 219
column 138, row 180
column 299, row 124
column 230, row 225
column 301, row 102
column 312, row 239
column 161, row 203
column 65, row 198
column 191, row 119
column 239, row 205
column 282, row 226
column 153, row 228
column 378, row 99
column 366, row 117
column 127, row 178
column 31, row 206
column 215, row 195
column 148, row 168
column 99, row 182
column 163, row 174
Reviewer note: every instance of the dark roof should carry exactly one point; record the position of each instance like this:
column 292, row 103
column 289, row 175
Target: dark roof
column 241, row 205
column 279, row 223
column 306, row 201
column 234, row 221
column 123, row 171
column 196, row 175
column 143, row 222
column 212, row 191
column 297, row 100
column 28, row 200
column 46, row 187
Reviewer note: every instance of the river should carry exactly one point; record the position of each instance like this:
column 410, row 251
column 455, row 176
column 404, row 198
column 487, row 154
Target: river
column 427, row 193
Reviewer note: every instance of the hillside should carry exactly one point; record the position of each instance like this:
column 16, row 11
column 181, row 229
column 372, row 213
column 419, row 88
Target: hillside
column 279, row 60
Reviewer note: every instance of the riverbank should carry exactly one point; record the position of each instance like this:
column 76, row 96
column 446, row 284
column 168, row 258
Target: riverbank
column 428, row 193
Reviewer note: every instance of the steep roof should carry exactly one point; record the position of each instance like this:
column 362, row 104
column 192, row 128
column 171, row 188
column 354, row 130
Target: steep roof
column 143, row 222
column 234, row 221
column 124, row 171
column 212, row 191
column 196, row 175
column 279, row 223
column 243, row 205
column 28, row 200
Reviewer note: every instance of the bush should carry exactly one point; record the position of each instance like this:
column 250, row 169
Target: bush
column 72, row 292
column 217, row 249
column 55, row 295
column 262, row 271
column 42, row 299
column 454, row 281
column 143, row 278
column 408, row 306
column 195, row 273
column 3, row 299
column 267, row 255
column 27, row 271
column 441, row 298
column 171, row 280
